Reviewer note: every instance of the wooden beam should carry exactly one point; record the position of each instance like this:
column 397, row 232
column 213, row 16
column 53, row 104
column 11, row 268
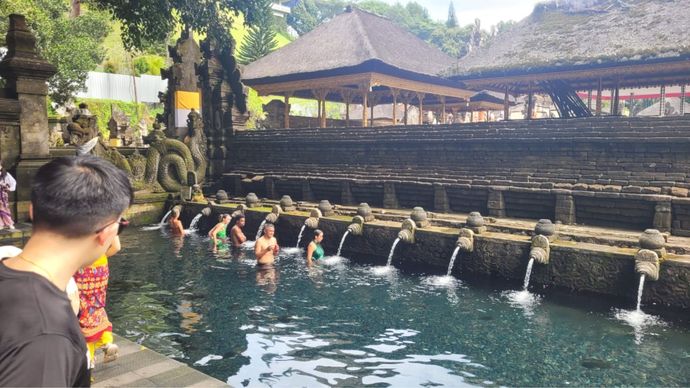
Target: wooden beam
column 420, row 97
column 682, row 99
column 615, row 101
column 598, row 111
column 530, row 103
column 286, row 119
column 589, row 99
column 364, row 108
column 443, row 109
column 361, row 79
column 506, row 105
column 394, row 94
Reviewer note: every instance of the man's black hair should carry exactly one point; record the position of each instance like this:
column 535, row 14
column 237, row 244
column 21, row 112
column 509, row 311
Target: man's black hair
column 78, row 195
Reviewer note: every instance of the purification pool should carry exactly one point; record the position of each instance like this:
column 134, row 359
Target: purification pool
column 348, row 324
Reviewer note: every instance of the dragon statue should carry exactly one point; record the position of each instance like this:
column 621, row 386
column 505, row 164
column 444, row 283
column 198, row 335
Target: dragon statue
column 169, row 160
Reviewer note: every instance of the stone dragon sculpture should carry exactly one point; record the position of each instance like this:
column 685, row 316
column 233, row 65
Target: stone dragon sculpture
column 169, row 160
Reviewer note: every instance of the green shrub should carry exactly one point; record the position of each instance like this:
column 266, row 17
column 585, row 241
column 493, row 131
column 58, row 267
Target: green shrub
column 149, row 64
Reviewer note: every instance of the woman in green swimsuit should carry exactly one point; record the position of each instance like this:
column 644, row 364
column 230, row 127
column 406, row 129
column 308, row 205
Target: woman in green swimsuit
column 219, row 232
column 314, row 249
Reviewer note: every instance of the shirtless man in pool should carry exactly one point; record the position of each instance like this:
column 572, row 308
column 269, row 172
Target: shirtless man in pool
column 266, row 247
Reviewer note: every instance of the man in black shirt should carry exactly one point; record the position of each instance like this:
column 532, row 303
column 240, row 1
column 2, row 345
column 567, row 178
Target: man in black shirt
column 77, row 205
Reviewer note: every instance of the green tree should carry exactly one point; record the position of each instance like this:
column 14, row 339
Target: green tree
column 260, row 40
column 308, row 14
column 145, row 21
column 72, row 45
column 452, row 21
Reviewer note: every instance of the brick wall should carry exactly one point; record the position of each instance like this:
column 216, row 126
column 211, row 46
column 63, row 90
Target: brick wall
column 609, row 168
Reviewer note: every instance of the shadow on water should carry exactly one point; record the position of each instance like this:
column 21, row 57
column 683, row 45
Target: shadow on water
column 340, row 323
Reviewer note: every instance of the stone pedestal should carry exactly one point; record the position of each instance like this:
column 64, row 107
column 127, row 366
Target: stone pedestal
column 565, row 208
column 390, row 199
column 25, row 172
column 495, row 203
column 25, row 74
column 441, row 203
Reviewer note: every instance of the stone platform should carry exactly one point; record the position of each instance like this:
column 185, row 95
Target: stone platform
column 138, row 366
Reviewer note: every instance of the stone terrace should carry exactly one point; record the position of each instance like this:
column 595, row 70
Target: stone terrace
column 620, row 172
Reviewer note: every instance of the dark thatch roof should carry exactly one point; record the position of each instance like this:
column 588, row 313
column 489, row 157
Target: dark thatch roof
column 571, row 34
column 352, row 42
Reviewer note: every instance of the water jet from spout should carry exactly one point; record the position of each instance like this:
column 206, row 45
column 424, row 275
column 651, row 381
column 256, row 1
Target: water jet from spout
column 390, row 255
column 342, row 241
column 452, row 260
column 299, row 238
column 260, row 231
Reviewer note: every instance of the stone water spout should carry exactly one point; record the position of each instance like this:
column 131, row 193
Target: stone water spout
column 652, row 252
column 357, row 226
column 272, row 217
column 251, row 200
column 544, row 233
column 313, row 221
column 407, row 231
column 465, row 240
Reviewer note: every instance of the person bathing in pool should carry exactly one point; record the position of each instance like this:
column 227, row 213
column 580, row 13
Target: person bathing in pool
column 314, row 249
column 266, row 247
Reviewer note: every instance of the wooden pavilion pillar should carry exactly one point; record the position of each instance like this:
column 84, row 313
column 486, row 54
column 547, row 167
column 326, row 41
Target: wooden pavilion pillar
column 631, row 100
column 589, row 100
column 346, row 95
column 372, row 103
column 286, row 119
column 443, row 109
column 420, row 97
column 616, row 100
column 454, row 110
column 365, row 94
column 323, row 112
column 394, row 94
column 599, row 89
column 682, row 99
column 506, row 105
column 662, row 101
column 530, row 101
column 406, row 103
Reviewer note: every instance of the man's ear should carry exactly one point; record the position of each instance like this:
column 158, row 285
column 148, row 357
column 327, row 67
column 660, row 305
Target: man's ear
column 105, row 236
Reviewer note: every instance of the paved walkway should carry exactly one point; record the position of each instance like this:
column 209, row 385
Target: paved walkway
column 138, row 366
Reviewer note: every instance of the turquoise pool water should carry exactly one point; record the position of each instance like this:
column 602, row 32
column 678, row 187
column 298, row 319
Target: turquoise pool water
column 347, row 324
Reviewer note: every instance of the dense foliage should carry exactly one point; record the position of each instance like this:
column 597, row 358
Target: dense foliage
column 73, row 45
column 146, row 21
column 261, row 38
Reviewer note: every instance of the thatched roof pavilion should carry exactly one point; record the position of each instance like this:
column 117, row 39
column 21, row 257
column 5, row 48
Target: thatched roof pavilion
column 585, row 45
column 361, row 58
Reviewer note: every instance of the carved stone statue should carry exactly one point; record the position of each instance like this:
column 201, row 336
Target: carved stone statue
column 82, row 128
column 169, row 160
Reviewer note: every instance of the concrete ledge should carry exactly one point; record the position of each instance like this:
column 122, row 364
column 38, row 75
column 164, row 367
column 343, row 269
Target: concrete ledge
column 138, row 366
